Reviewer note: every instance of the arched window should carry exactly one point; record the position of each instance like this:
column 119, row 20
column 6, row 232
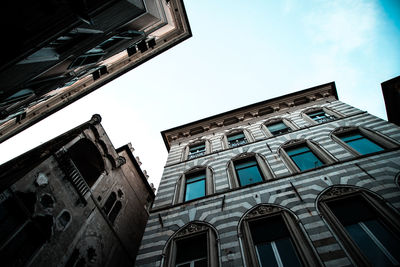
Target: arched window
column 271, row 236
column 87, row 160
column 248, row 168
column 193, row 245
column 301, row 155
column 278, row 126
column 113, row 206
column 196, row 149
column 367, row 227
column 361, row 141
column 195, row 183
column 316, row 115
column 237, row 137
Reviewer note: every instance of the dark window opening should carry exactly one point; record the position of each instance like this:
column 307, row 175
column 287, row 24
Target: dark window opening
column 109, row 202
column 115, row 210
column 64, row 218
column 278, row 128
column 377, row 242
column 192, row 252
column 142, row 46
column 195, row 186
column 248, row 171
column 237, row 139
column 47, row 201
column 273, row 243
column 303, row 157
column 87, row 160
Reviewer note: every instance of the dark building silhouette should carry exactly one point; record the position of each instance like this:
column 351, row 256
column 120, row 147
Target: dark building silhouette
column 61, row 51
column 391, row 94
column 73, row 201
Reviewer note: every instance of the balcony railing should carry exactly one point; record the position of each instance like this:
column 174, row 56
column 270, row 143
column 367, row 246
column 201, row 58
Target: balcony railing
column 196, row 154
column 326, row 118
column 237, row 142
column 72, row 174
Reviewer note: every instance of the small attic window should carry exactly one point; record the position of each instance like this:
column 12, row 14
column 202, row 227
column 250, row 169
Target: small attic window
column 196, row 130
column 264, row 111
column 230, row 121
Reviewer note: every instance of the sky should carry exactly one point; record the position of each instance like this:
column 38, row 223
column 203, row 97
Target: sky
column 241, row 52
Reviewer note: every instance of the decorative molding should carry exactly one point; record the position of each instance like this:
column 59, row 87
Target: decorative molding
column 343, row 129
column 96, row 119
column 262, row 211
column 191, row 229
column 120, row 161
column 244, row 155
column 337, row 191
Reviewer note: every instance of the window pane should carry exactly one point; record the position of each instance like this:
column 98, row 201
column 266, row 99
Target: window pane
column 317, row 115
column 190, row 249
column 304, row 158
column 306, row 161
column 272, row 240
column 364, row 146
column 249, row 175
column 115, row 210
column 195, row 177
column 389, row 240
column 297, row 150
column 200, row 263
column 197, row 148
column 287, row 253
column 265, row 255
column 367, row 246
column 361, row 222
column 195, row 190
column 278, row 128
column 245, row 164
column 235, row 137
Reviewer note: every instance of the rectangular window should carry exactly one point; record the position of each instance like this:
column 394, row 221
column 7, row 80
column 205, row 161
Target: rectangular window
column 248, row 172
column 195, row 186
column 320, row 116
column 192, row 252
column 278, row 128
column 236, row 140
column 303, row 157
column 360, row 143
column 374, row 239
column 273, row 243
column 197, row 151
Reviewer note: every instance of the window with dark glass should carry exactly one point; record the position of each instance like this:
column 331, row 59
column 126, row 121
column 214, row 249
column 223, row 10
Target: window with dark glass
column 237, row 139
column 195, row 186
column 192, row 252
column 273, row 243
column 303, row 157
column 248, row 172
column 360, row 143
column 278, row 128
column 112, row 206
column 197, row 150
column 320, row 116
column 371, row 235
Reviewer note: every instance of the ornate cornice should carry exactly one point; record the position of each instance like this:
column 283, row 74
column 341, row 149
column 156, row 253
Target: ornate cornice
column 338, row 191
column 262, row 211
column 191, row 228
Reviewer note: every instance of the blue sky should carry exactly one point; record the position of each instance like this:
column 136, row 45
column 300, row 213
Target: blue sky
column 241, row 52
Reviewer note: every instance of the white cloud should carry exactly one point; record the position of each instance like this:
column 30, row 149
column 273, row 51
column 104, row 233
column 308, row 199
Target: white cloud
column 344, row 25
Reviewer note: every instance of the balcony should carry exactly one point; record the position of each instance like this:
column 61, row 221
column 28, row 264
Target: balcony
column 325, row 118
column 196, row 154
column 237, row 142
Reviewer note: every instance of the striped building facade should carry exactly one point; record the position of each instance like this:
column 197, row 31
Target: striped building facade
column 228, row 214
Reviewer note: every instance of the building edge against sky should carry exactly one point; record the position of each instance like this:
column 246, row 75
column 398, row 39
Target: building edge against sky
column 324, row 170
column 85, row 48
